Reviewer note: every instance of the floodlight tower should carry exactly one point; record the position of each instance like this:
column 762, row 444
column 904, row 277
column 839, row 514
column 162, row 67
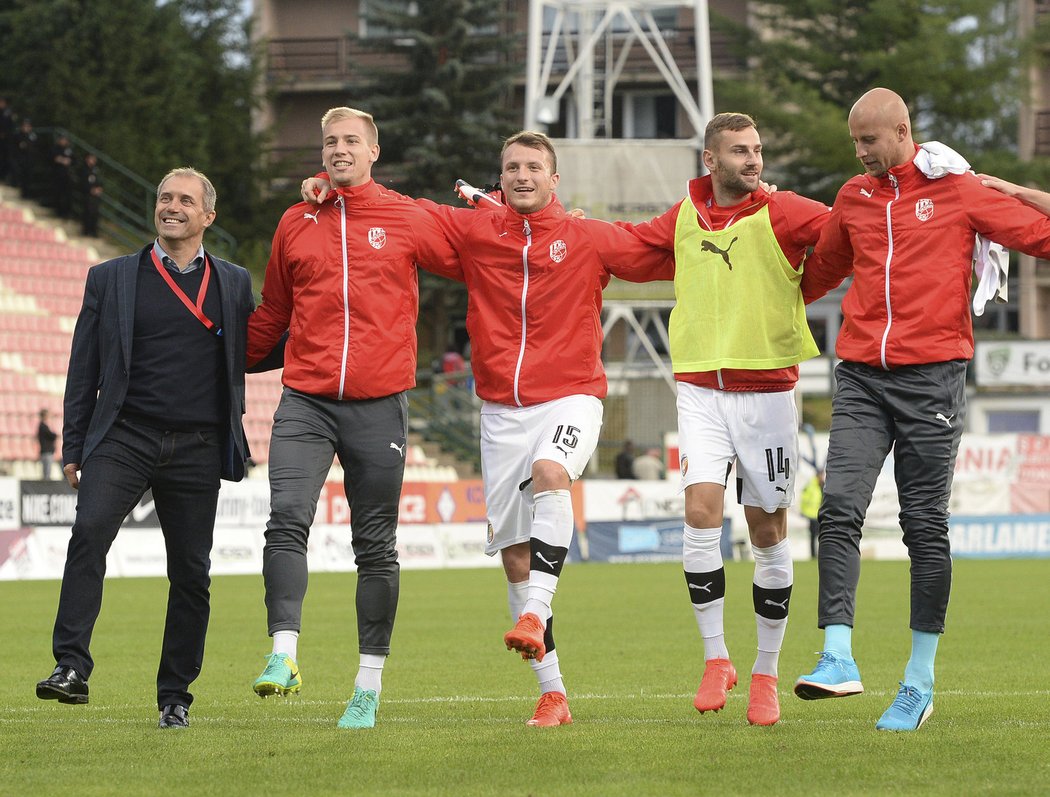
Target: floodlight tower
column 577, row 28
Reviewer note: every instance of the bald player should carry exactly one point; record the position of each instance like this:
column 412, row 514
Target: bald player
column 907, row 240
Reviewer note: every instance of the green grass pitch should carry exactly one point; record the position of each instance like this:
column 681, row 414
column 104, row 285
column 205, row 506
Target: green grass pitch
column 454, row 701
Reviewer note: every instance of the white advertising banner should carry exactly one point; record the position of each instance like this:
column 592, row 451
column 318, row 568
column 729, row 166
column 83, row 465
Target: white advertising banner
column 36, row 553
column 464, row 545
column 632, row 500
column 139, row 552
column 237, row 550
column 1000, row 506
column 245, row 504
column 10, row 512
column 1023, row 362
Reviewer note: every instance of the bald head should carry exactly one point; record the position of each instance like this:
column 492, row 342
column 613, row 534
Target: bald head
column 881, row 104
column 880, row 127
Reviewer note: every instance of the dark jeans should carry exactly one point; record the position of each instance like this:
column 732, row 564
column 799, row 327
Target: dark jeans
column 917, row 411
column 182, row 468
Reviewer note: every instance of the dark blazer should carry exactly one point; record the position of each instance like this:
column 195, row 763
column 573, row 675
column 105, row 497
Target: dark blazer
column 97, row 379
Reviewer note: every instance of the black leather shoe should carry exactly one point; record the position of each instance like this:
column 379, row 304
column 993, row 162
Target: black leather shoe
column 65, row 685
column 174, row 717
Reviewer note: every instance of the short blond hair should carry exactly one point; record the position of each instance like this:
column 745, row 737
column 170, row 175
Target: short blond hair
column 342, row 112
column 189, row 171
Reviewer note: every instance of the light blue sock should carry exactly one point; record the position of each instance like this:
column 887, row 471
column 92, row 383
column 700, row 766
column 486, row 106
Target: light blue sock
column 838, row 639
column 919, row 671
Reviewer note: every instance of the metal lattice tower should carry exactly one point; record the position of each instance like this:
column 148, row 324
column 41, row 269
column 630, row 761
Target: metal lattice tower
column 592, row 84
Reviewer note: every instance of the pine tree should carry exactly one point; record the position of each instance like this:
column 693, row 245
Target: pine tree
column 957, row 63
column 444, row 115
column 153, row 86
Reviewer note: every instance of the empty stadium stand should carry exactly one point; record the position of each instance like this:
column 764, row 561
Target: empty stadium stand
column 41, row 283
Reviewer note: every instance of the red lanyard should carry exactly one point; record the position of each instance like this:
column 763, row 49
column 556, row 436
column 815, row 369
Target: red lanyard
column 198, row 308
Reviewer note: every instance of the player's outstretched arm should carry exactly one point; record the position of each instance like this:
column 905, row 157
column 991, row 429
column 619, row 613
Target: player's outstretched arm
column 1040, row 200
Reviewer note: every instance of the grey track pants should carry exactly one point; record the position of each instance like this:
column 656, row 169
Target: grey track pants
column 368, row 437
column 918, row 412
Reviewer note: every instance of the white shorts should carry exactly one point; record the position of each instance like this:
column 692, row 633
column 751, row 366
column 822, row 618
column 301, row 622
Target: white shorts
column 512, row 439
column 757, row 431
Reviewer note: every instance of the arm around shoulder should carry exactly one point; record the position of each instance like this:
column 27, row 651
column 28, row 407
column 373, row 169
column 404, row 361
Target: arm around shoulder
column 436, row 238
column 1014, row 217
column 831, row 261
column 271, row 318
column 628, row 256
column 1040, row 200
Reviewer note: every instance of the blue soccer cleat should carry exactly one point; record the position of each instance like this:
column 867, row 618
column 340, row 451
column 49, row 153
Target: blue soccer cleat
column 834, row 676
column 908, row 711
column 361, row 710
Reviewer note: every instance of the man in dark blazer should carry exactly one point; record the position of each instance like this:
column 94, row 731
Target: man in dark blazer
column 154, row 399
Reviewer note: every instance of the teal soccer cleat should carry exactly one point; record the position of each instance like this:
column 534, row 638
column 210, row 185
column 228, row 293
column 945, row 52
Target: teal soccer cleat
column 908, row 711
column 361, row 710
column 280, row 677
column 834, row 676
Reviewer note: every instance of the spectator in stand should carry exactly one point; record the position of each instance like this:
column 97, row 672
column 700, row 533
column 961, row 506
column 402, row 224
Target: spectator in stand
column 24, row 159
column 809, row 508
column 62, row 177
column 625, row 461
column 91, row 188
column 46, row 437
column 649, row 466
column 452, row 365
column 453, row 368
column 7, row 135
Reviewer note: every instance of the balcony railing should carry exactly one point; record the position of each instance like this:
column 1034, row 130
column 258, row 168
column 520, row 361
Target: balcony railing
column 1042, row 133
column 325, row 59
column 335, row 58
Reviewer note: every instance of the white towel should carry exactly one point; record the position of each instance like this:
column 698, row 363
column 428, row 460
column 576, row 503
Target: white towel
column 936, row 160
column 991, row 261
column 992, row 264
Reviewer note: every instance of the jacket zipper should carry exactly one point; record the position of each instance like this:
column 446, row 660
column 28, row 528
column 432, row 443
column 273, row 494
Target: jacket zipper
column 346, row 298
column 889, row 257
column 524, row 294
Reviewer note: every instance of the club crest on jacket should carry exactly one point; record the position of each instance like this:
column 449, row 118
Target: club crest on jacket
column 377, row 237
column 558, row 250
column 924, row 209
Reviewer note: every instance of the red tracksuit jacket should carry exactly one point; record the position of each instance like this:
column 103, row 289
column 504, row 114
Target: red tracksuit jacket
column 534, row 286
column 908, row 242
column 342, row 279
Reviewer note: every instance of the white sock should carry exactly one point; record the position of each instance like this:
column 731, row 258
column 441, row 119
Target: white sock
column 705, row 573
column 548, row 673
column 370, row 673
column 551, row 536
column 517, row 593
column 286, row 642
column 774, row 575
